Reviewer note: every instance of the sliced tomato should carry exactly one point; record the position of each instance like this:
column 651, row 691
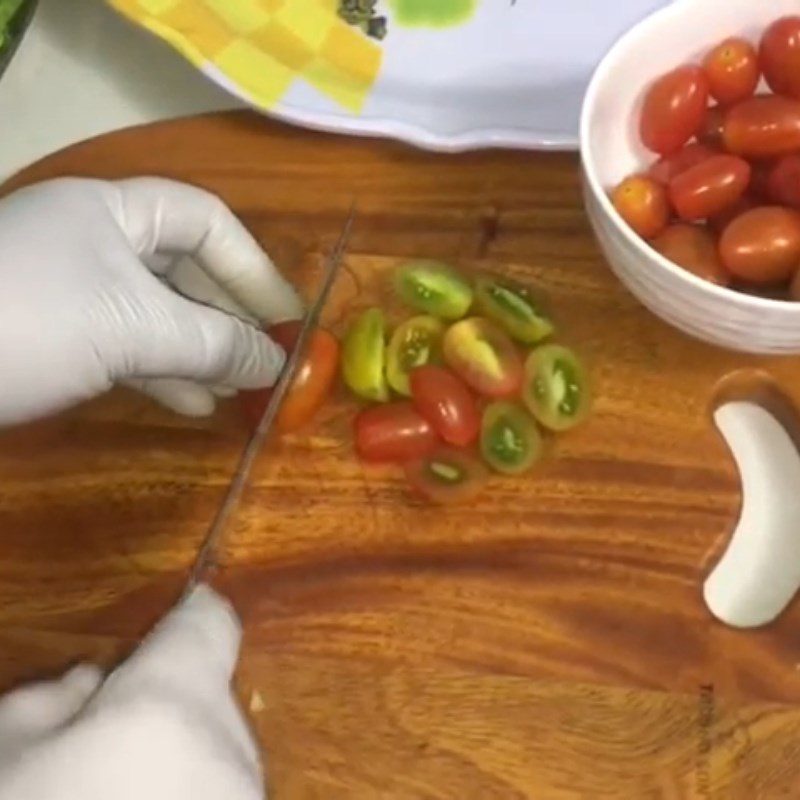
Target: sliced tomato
column 312, row 384
column 433, row 287
column 642, row 202
column 393, row 432
column 733, row 70
column 779, row 53
column 446, row 402
column 418, row 341
column 513, row 307
column 709, row 187
column 695, row 249
column 762, row 127
column 484, row 357
column 667, row 167
column 510, row 439
column 364, row 356
column 448, row 475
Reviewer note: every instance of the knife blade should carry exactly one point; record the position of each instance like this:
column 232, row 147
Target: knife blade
column 239, row 482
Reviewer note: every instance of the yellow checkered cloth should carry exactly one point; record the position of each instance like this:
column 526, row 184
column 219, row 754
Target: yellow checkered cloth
column 263, row 46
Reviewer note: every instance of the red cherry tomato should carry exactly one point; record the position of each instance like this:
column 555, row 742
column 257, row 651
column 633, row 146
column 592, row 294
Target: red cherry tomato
column 673, row 109
column 783, row 183
column 312, row 382
column 392, row 432
column 667, row 167
column 720, row 221
column 759, row 179
column 448, row 475
column 709, row 187
column 710, row 133
column 779, row 54
column 762, row 246
column 642, row 202
column 482, row 355
column 762, row 127
column 693, row 248
column 733, row 71
column 446, row 402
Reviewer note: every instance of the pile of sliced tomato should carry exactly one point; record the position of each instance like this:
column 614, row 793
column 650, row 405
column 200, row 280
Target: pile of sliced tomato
column 463, row 387
column 723, row 198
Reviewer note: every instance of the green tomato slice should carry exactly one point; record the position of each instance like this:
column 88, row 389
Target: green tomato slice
column 556, row 388
column 435, row 288
column 510, row 439
column 513, row 307
column 363, row 356
column 417, row 342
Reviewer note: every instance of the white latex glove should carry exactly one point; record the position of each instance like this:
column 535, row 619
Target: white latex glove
column 164, row 726
column 84, row 300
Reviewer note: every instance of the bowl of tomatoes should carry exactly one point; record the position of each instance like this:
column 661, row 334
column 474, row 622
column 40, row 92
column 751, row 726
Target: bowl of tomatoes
column 690, row 150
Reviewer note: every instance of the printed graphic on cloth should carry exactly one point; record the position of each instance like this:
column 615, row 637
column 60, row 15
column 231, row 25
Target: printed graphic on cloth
column 263, row 46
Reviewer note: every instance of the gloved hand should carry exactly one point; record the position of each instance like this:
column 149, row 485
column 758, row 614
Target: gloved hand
column 164, row 726
column 85, row 304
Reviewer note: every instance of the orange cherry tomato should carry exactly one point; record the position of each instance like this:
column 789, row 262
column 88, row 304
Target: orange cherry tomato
column 783, row 182
column 710, row 133
column 642, row 202
column 710, row 187
column 693, row 248
column 673, row 109
column 762, row 246
column 762, row 127
column 312, row 382
column 667, row 167
column 732, row 70
column 779, row 54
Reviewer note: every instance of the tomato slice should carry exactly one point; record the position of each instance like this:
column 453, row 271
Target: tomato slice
column 642, row 202
column 762, row 127
column 779, row 53
column 695, row 249
column 392, row 432
column 312, row 384
column 667, row 167
column 418, row 341
column 733, row 71
column 435, row 288
column 510, row 439
column 364, row 356
column 446, row 402
column 513, row 307
column 783, row 182
column 673, row 109
column 448, row 475
column 556, row 389
column 709, row 187
column 481, row 354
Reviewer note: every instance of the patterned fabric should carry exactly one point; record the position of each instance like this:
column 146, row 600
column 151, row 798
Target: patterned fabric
column 264, row 46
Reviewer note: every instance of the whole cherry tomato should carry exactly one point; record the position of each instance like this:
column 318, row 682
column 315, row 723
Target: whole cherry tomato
column 312, row 384
column 779, row 54
column 642, row 202
column 733, row 71
column 710, row 133
column 794, row 286
column 783, row 183
column 710, row 187
column 759, row 179
column 667, row 167
column 446, row 402
column 720, row 221
column 693, row 248
column 762, row 127
column 392, row 432
column 673, row 109
column 762, row 246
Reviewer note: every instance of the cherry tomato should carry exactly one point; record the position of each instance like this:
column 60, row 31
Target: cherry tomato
column 392, row 432
column 642, row 202
column 794, row 287
column 710, row 133
column 762, row 127
column 513, row 307
column 364, row 356
column 556, row 389
column 510, row 440
column 312, row 382
column 416, row 342
column 673, row 109
column 667, row 167
column 759, row 179
column 709, row 187
column 433, row 287
column 762, row 246
column 780, row 56
column 445, row 401
column 720, row 221
column 783, row 182
column 484, row 357
column 694, row 249
column 733, row 71
column 447, row 475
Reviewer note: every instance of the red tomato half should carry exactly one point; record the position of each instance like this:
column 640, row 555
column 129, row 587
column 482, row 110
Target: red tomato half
column 312, row 382
column 392, row 432
column 481, row 354
column 783, row 183
column 733, row 71
column 673, row 109
column 709, row 187
column 446, row 402
column 780, row 56
column 762, row 127
column 667, row 167
column 448, row 475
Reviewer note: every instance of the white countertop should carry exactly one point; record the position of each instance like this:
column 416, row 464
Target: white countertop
column 81, row 71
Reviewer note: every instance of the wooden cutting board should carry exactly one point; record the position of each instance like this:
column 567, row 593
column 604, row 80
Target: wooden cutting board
column 547, row 642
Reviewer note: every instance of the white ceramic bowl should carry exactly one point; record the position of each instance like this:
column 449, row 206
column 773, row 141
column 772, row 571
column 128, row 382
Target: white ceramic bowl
column 610, row 150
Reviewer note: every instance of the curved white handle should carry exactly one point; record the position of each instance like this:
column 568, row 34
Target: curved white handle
column 760, row 571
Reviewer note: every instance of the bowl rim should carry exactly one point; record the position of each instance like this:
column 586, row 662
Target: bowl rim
column 598, row 79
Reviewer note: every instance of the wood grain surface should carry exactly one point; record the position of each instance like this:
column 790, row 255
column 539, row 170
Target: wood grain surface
column 547, row 642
